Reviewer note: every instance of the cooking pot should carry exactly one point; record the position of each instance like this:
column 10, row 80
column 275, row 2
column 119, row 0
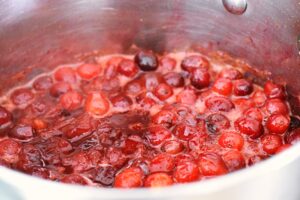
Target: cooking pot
column 37, row 35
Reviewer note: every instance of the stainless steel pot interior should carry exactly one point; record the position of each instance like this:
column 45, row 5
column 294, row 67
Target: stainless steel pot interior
column 37, row 35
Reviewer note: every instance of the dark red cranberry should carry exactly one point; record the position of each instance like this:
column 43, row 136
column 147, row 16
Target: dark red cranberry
column 273, row 90
column 43, row 83
column 127, row 68
column 172, row 147
column 211, row 164
column 129, row 178
column 283, row 148
column 158, row 134
column 162, row 163
column 200, row 78
column 71, row 100
column 234, row 160
column 232, row 74
column 163, row 91
column 65, row 74
column 271, row 143
column 193, row 62
column 165, row 117
column 217, row 122
column 277, row 123
column 259, row 98
column 242, row 87
column 276, row 106
column 22, row 132
column 253, row 113
column 174, row 79
column 184, row 131
column 186, row 171
column 22, row 96
column 9, row 150
column 293, row 137
column 249, row 126
column 5, row 116
column 74, row 179
column 167, row 63
column 223, row 86
column 295, row 123
column 158, row 180
column 105, row 175
column 88, row 71
column 187, row 96
column 147, row 61
column 97, row 103
column 219, row 103
column 60, row 88
column 231, row 139
column 121, row 101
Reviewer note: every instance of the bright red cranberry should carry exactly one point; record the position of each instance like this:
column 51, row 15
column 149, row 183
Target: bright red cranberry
column 22, row 132
column 97, row 103
column 223, row 86
column 232, row 74
column 277, row 123
column 88, row 71
column 167, row 63
column 249, row 126
column 242, row 87
column 65, row 74
column 217, row 122
column 253, row 113
column 158, row 134
column 43, row 83
column 186, row 171
column 174, row 79
column 147, row 61
column 163, row 91
column 127, row 68
column 200, row 78
column 134, row 87
column 172, row 147
column 219, row 103
column 22, row 96
column 105, row 175
column 234, row 160
column 193, row 62
column 187, row 96
column 259, row 98
column 71, row 100
column 293, row 137
column 60, row 88
column 158, row 180
column 283, row 148
column 130, row 146
column 129, row 178
column 74, row 179
column 273, row 90
column 211, row 164
column 121, row 101
column 5, row 116
column 231, row 139
column 271, row 143
column 276, row 106
column 184, row 131
column 255, row 159
column 162, row 163
column 9, row 150
column 165, row 117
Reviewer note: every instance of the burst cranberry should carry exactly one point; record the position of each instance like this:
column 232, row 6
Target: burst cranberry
column 293, row 137
column 165, row 117
column 121, row 101
column 74, row 179
column 186, row 171
column 200, row 78
column 127, row 68
column 147, row 61
column 60, row 88
column 22, row 96
column 22, row 132
column 242, row 87
column 283, row 148
column 65, row 74
column 276, row 106
column 162, row 163
column 97, row 103
column 211, row 164
column 217, row 122
column 158, row 134
column 187, row 96
column 184, row 131
column 130, row 146
column 167, row 63
column 234, row 160
column 273, row 90
column 231, row 74
column 39, row 124
column 43, row 83
column 9, row 150
column 71, row 100
column 243, row 104
column 219, row 103
column 116, row 157
column 193, row 62
column 174, row 79
column 163, row 91
column 223, row 86
column 5, row 116
column 105, row 175
column 145, row 100
column 134, row 87
column 129, row 178
column 271, row 143
column 253, row 113
column 249, row 126
column 259, row 98
column 231, row 139
column 79, row 162
column 277, row 123
column 172, row 147
column 88, row 71
column 29, row 157
column 158, row 180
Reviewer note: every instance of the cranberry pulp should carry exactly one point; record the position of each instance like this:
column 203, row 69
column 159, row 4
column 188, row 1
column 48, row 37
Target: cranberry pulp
column 143, row 121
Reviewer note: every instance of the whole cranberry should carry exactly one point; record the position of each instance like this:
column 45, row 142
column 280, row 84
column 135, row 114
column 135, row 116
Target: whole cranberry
column 185, row 131
column 162, row 163
column 105, row 175
column 74, row 179
column 167, row 63
column 22, row 96
column 127, row 68
column 219, row 103
column 158, row 180
column 42, row 83
column 146, row 61
column 259, row 98
column 253, row 113
column 158, row 134
column 121, row 101
column 234, row 160
column 71, row 100
column 9, row 150
column 211, row 164
column 22, row 132
column 200, row 78
column 193, row 62
column 5, row 116
column 172, row 147
column 174, row 79
column 165, row 117
column 97, row 103
column 60, row 88
column 242, row 87
column 277, row 123
column 65, row 74
column 293, row 137
column 249, row 126
column 276, row 106
column 163, row 91
column 217, row 122
column 271, row 143
column 232, row 74
column 223, row 86
column 231, row 139
column 129, row 178
column 186, row 171
column 152, row 80
column 187, row 96
column 273, row 90
column 88, row 71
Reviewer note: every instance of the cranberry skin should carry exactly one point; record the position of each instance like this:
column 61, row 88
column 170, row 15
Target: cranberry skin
column 283, row 148
column 158, row 134
column 97, row 103
column 158, row 180
column 167, row 63
column 163, row 91
column 242, row 87
column 217, row 122
column 232, row 74
column 71, row 100
column 271, row 143
column 88, row 71
column 200, row 78
column 162, row 163
column 22, row 132
column 211, row 164
column 105, row 175
column 129, row 178
column 172, row 147
column 277, row 123
column 273, row 90
column 60, row 88
column 193, row 62
column 116, row 157
column 219, row 103
column 5, row 116
column 29, row 157
column 174, row 79
column 259, row 98
column 276, row 106
column 42, row 83
column 65, row 74
column 74, row 179
column 9, row 150
column 147, row 61
column 185, row 132
column 127, row 68
column 253, row 113
column 121, row 101
column 22, row 96
column 232, row 140
column 234, row 160
column 249, row 126
column 187, row 96
column 165, row 117
column 186, row 171
column 223, row 86
column 293, row 137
